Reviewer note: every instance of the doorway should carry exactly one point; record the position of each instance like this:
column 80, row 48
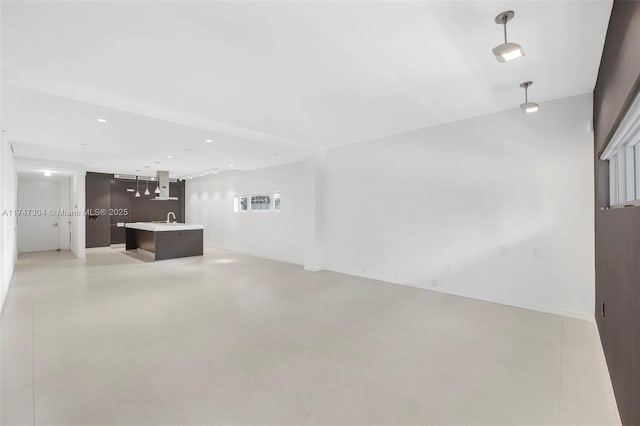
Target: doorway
column 42, row 222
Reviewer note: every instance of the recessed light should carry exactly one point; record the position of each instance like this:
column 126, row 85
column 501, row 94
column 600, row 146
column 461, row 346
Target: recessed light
column 146, row 167
column 157, row 162
column 83, row 143
column 209, row 141
column 101, row 120
column 231, row 165
column 169, row 156
column 47, row 173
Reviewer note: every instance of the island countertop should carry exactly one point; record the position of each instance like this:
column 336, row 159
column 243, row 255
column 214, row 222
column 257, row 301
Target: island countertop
column 163, row 227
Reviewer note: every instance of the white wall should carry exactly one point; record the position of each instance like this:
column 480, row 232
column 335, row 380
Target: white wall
column 64, row 222
column 314, row 207
column 8, row 249
column 78, row 204
column 275, row 235
column 459, row 208
column 8, row 202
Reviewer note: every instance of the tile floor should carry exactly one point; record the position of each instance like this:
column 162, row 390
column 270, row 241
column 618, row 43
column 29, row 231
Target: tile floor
column 236, row 340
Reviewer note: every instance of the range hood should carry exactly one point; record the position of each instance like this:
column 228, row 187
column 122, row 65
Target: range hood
column 163, row 184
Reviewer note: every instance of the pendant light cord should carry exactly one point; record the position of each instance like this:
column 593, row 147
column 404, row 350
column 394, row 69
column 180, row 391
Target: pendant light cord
column 504, row 24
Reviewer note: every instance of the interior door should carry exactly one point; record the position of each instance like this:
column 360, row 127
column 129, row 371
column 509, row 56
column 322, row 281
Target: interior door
column 38, row 202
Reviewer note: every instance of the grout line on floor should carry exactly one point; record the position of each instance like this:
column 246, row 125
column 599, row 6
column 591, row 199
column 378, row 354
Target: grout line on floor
column 473, row 352
column 561, row 370
column 146, row 379
column 33, row 351
column 443, row 403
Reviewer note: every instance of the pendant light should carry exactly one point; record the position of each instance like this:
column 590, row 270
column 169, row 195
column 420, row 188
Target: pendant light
column 146, row 191
column 506, row 51
column 157, row 191
column 137, row 190
column 528, row 107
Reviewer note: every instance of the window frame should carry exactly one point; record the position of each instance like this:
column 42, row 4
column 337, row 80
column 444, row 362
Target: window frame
column 237, row 202
column 623, row 155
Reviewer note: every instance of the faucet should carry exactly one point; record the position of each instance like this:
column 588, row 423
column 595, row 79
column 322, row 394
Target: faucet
column 171, row 214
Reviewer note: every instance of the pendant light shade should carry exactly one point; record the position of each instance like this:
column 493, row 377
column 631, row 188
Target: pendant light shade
column 528, row 107
column 137, row 190
column 157, row 191
column 146, row 191
column 506, row 51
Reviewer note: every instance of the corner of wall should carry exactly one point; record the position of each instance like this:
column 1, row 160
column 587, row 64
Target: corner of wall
column 8, row 201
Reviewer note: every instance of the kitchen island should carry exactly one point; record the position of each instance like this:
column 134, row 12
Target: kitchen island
column 165, row 240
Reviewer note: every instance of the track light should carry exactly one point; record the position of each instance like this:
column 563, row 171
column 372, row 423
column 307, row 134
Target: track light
column 528, row 107
column 506, row 51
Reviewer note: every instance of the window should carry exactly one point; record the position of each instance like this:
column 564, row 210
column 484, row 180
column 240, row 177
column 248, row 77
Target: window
column 624, row 174
column 260, row 202
column 257, row 202
column 244, row 204
column 276, row 201
column 623, row 154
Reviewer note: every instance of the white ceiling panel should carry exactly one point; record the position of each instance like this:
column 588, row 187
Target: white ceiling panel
column 275, row 81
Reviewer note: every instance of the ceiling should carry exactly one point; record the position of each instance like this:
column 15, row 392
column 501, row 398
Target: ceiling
column 271, row 82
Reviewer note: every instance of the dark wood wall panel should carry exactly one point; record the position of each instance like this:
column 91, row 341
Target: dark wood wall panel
column 618, row 287
column 618, row 75
column 120, row 201
column 97, row 197
column 105, row 191
column 618, row 230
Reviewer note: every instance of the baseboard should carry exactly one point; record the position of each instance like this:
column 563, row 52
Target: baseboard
column 554, row 310
column 275, row 258
column 488, row 298
column 6, row 293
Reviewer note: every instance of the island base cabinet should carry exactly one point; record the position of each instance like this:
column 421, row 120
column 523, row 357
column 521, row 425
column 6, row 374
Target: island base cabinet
column 166, row 244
